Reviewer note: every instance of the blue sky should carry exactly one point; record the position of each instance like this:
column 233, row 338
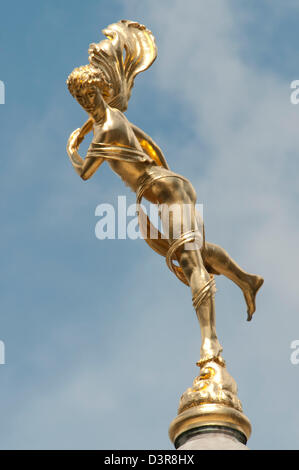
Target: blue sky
column 101, row 339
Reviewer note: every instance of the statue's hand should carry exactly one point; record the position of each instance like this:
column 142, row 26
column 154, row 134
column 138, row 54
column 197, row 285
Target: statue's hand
column 77, row 137
column 72, row 150
column 74, row 141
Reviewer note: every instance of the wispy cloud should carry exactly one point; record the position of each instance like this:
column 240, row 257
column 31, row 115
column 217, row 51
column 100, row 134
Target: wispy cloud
column 241, row 115
column 123, row 330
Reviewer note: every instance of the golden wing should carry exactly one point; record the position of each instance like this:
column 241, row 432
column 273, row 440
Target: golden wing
column 129, row 50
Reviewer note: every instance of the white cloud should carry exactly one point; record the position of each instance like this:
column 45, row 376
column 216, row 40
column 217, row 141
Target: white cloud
column 245, row 136
column 242, row 115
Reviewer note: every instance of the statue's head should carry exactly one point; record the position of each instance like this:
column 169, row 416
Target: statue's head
column 113, row 65
column 89, row 86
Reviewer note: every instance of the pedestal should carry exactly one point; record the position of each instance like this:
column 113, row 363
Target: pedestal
column 210, row 414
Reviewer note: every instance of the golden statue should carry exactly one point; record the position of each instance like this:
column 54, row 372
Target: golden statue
column 103, row 88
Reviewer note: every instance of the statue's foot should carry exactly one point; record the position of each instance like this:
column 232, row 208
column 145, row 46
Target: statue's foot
column 210, row 358
column 250, row 291
column 210, row 351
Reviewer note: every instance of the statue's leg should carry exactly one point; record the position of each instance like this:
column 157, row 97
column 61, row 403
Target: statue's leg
column 174, row 196
column 199, row 280
column 220, row 262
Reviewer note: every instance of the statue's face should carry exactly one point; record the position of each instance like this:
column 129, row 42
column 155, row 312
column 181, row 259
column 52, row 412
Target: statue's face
column 89, row 98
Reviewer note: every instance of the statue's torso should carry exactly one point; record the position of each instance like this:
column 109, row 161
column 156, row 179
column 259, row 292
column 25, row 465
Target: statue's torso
column 117, row 131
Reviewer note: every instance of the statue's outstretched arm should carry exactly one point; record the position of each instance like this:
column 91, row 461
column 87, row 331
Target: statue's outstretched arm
column 85, row 168
column 149, row 146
